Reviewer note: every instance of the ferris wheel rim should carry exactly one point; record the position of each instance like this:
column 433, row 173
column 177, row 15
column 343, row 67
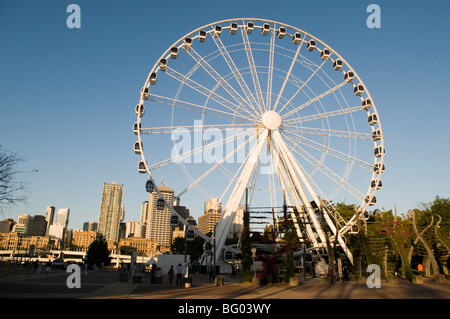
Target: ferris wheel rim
column 178, row 43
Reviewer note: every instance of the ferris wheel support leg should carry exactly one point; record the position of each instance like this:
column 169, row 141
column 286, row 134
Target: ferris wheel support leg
column 224, row 224
column 298, row 170
column 288, row 189
column 284, row 152
column 316, row 198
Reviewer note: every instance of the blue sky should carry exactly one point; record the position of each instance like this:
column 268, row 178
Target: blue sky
column 67, row 96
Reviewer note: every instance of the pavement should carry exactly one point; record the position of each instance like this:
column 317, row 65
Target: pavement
column 27, row 284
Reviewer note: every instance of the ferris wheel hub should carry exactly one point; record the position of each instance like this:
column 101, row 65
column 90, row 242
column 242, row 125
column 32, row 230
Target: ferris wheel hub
column 271, row 120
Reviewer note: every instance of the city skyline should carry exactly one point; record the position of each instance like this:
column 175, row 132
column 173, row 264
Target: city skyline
column 76, row 115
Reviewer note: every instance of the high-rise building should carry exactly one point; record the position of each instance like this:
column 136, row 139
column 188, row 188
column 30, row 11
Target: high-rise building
column 49, row 216
column 62, row 217
column 158, row 221
column 211, row 216
column 90, row 226
column 37, row 226
column 111, row 211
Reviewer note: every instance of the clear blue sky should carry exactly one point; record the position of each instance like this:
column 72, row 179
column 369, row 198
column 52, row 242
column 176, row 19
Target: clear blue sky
column 67, row 96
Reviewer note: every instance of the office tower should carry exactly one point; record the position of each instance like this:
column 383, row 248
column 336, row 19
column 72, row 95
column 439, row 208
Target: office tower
column 37, row 226
column 111, row 211
column 211, row 216
column 90, row 226
column 158, row 221
column 62, row 217
column 49, row 216
column 133, row 229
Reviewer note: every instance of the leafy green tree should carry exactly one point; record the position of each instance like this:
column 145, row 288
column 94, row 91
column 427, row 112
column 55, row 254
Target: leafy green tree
column 194, row 248
column 98, row 252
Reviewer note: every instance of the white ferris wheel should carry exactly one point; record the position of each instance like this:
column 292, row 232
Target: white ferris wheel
column 261, row 110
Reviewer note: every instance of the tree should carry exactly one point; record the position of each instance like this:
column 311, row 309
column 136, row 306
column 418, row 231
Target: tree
column 98, row 252
column 11, row 191
column 194, row 248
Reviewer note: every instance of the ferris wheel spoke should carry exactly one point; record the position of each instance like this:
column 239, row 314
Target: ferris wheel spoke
column 322, row 115
column 193, row 128
column 298, row 108
column 301, row 88
column 218, row 164
column 327, row 132
column 221, row 81
column 236, row 73
column 327, row 172
column 335, row 153
column 178, row 158
column 287, row 76
column 206, row 92
column 270, row 73
column 251, row 62
column 232, row 117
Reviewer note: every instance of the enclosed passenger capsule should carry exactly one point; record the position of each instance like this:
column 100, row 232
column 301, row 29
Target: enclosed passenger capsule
column 228, row 255
column 136, row 128
column 366, row 104
column 311, row 45
column 202, row 35
column 358, row 89
column 173, row 53
column 325, row 54
column 379, row 151
column 141, row 167
column 217, row 31
column 140, row 110
column 249, row 28
column 296, row 38
column 349, row 76
column 376, row 135
column 372, row 119
column 163, row 64
column 337, row 64
column 190, row 235
column 281, row 32
column 187, row 44
column 174, row 220
column 376, row 185
column 233, row 27
column 354, row 230
column 149, row 186
column 138, row 147
column 265, row 29
column 145, row 92
column 378, row 168
column 153, row 78
column 371, row 201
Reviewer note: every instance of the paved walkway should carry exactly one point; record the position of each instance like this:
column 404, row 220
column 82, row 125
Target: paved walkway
column 106, row 285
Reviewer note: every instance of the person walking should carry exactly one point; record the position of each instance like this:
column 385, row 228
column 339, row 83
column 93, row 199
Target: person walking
column 171, row 274
column 153, row 274
column 179, row 274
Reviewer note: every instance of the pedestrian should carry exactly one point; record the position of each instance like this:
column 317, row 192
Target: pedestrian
column 153, row 274
column 345, row 274
column 85, row 268
column 179, row 274
column 39, row 268
column 171, row 273
column 233, row 270
column 420, row 269
column 47, row 269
